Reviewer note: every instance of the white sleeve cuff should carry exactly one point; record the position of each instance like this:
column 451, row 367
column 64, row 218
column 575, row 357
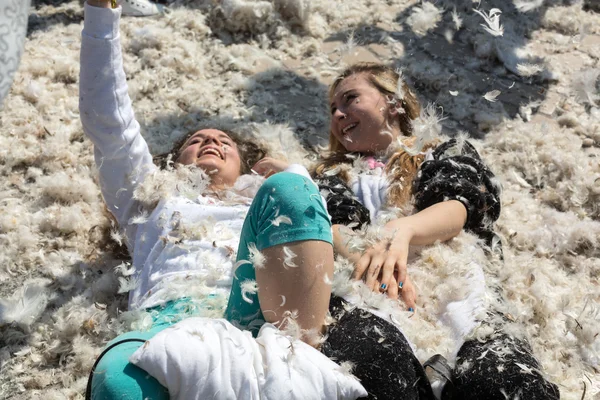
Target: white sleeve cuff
column 101, row 23
column 298, row 169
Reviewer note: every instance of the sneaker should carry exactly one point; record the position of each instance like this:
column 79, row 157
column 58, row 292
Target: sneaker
column 440, row 376
column 141, row 8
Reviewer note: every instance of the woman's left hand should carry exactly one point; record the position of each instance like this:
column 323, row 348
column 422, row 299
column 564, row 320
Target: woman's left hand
column 269, row 166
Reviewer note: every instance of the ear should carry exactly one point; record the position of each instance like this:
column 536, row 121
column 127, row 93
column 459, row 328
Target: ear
column 395, row 108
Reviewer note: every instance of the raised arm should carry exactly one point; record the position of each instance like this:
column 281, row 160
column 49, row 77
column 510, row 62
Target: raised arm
column 121, row 153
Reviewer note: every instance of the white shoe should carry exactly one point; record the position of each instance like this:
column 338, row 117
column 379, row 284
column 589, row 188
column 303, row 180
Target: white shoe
column 141, row 8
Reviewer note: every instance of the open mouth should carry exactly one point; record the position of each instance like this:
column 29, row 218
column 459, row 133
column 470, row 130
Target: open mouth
column 213, row 151
column 348, row 128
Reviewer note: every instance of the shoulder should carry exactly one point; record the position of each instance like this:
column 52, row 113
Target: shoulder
column 456, row 147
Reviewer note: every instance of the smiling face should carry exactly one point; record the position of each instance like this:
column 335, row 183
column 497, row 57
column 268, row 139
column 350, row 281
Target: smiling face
column 359, row 115
column 216, row 153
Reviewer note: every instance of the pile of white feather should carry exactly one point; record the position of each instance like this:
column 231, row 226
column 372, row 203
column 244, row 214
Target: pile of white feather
column 521, row 77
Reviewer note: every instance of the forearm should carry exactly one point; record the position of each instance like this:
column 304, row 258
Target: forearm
column 106, row 113
column 439, row 222
column 104, row 104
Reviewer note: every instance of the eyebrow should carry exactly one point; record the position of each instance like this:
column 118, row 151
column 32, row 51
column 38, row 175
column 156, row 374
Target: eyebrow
column 222, row 135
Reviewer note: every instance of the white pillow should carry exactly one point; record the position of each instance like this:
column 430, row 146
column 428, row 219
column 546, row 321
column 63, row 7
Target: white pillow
column 200, row 358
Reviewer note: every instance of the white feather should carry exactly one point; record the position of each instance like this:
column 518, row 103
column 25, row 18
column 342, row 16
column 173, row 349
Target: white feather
column 139, row 219
column 493, row 21
column 256, row 257
column 25, row 306
column 527, row 70
column 288, row 260
column 116, row 236
column 456, row 19
column 127, row 284
column 424, row 18
column 248, row 287
column 282, row 219
column 124, row 270
column 491, row 96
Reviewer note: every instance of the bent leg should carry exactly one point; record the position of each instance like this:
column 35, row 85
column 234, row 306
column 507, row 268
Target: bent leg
column 383, row 360
column 288, row 226
column 500, row 368
column 304, row 288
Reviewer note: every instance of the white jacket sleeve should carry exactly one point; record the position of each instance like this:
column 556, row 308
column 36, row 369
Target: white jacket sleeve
column 121, row 153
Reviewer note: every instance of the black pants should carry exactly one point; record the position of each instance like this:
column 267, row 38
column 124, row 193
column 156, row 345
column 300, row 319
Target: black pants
column 388, row 369
column 500, row 368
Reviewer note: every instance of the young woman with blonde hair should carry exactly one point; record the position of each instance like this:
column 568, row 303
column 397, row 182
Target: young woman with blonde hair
column 450, row 189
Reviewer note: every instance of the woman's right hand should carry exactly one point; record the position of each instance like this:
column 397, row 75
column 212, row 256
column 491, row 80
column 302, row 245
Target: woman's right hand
column 269, row 166
column 408, row 292
column 383, row 267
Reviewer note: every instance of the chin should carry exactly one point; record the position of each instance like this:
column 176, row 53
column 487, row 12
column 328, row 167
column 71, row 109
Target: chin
column 208, row 166
column 353, row 147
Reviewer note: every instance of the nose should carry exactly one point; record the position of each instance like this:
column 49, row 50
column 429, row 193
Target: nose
column 211, row 138
column 338, row 114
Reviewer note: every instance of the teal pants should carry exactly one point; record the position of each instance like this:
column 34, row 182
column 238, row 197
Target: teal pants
column 283, row 194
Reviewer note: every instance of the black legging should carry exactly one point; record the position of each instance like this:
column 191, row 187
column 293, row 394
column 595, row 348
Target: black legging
column 388, row 369
column 489, row 370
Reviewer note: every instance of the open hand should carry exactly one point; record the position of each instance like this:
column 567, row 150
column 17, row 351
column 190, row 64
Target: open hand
column 383, row 267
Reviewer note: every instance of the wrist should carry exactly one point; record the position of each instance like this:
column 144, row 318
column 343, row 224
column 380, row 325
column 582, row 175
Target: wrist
column 401, row 230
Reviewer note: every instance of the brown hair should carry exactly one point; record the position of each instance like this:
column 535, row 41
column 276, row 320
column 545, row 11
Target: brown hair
column 251, row 151
column 402, row 167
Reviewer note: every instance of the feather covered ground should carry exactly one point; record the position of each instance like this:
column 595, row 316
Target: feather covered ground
column 527, row 92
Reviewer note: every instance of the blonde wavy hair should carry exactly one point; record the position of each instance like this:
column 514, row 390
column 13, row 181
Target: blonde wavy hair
column 402, row 167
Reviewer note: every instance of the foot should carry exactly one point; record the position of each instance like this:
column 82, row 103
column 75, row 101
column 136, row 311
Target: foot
column 141, row 8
